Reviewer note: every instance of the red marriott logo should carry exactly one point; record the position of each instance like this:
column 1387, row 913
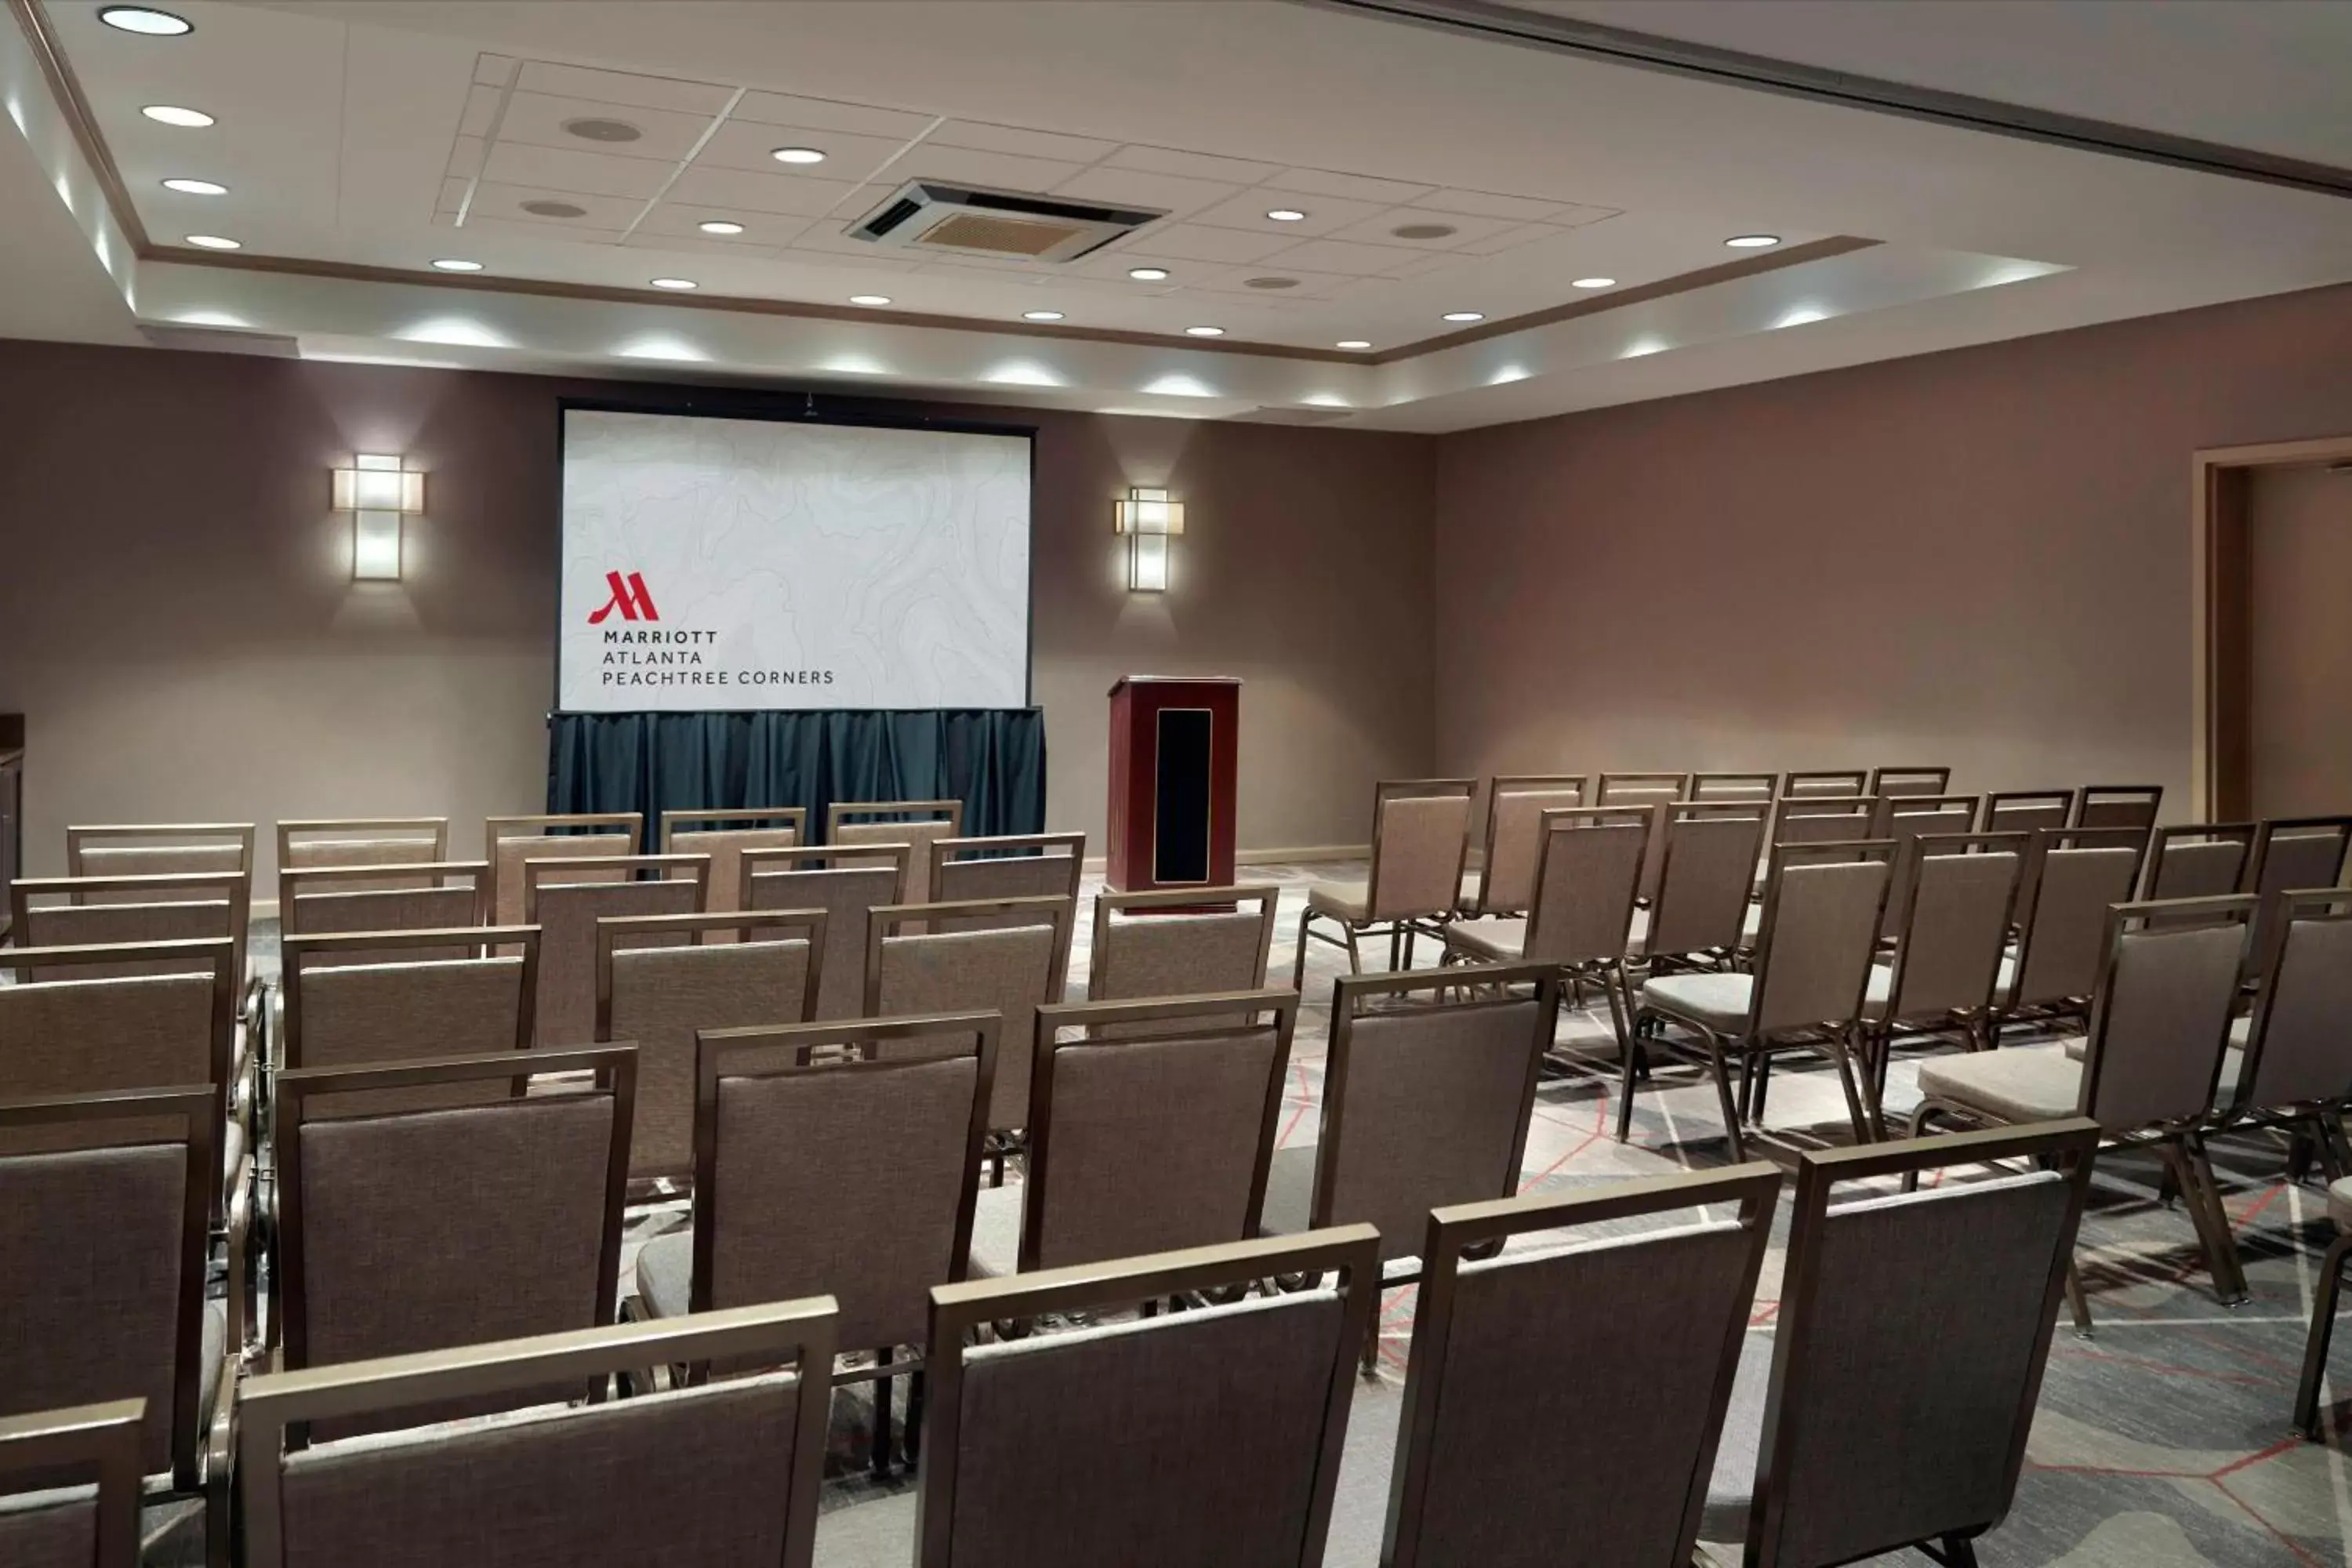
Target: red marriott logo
column 629, row 597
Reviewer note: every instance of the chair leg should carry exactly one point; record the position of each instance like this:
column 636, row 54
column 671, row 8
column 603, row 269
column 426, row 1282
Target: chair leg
column 912, row 1441
column 2078, row 1302
column 2201, row 1165
column 2323, row 1327
column 1865, row 1116
column 1722, row 1076
column 1409, row 934
column 1299, row 961
column 1355, row 956
column 2219, row 1260
column 1959, row 1551
column 1918, row 1128
column 882, row 1420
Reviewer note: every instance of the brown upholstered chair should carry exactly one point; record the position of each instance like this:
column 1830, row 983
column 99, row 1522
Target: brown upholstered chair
column 723, row 835
column 1824, row 783
column 2152, row 1056
column 1744, row 789
column 1892, row 1405
column 1641, row 789
column 2118, row 805
column 1823, row 819
column 1142, row 1139
column 1823, row 906
column 2198, row 860
column 1180, row 941
column 1533, row 1342
column 657, row 988
column 1504, row 882
column 735, row 1466
column 1909, row 782
column 372, row 998
column 848, row 888
column 2290, row 1062
column 848, row 1154
column 1705, row 856
column 565, row 898
column 1420, row 835
column 1007, row 866
column 2292, row 854
column 186, row 848
column 1426, row 1099
column 918, row 824
column 69, row 1486
column 399, row 842
column 1959, row 894
column 1902, row 818
column 2023, row 810
column 508, row 842
column 2074, row 878
column 441, row 895
column 1246, row 1475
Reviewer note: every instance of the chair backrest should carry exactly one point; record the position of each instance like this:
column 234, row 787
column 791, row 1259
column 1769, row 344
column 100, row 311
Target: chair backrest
column 724, row 835
column 2197, row 859
column 658, row 987
column 1246, row 1476
column 2161, row 1020
column 1515, row 804
column 83, row 1461
column 1959, row 894
column 401, row 842
column 1904, row 818
column 2023, row 810
column 534, row 1185
column 1426, row 1099
column 1822, row 907
column 2117, row 805
column 1819, row 784
column 141, row 906
column 848, row 1154
column 146, row 1014
column 1751, row 789
column 508, row 842
column 1587, row 875
column 1912, row 1336
column 107, row 1234
column 1180, row 941
column 565, row 898
column 2075, row 876
column 915, row 822
column 1823, row 818
column 993, row 965
column 160, row 849
column 443, row 895
column 366, row 999
column 1641, row 789
column 1110, row 1170
column 2299, row 1045
column 847, row 888
column 1909, row 782
column 1420, row 836
column 735, row 1464
column 1533, row 1342
column 1008, row 865
column 1704, row 875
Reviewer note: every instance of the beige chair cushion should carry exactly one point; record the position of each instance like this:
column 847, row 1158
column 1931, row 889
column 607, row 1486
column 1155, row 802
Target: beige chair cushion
column 665, row 1274
column 1340, row 901
column 2016, row 1084
column 1472, row 881
column 1717, row 1002
column 2340, row 1203
column 996, row 1233
column 1497, row 938
column 1289, row 1191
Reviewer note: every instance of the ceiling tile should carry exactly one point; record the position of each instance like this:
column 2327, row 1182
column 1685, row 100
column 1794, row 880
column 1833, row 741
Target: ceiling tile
column 1487, row 204
column 749, row 191
column 504, row 203
column 529, row 228
column 1002, row 170
column 453, row 193
column 494, row 70
column 1379, row 228
column 1191, row 165
column 540, row 120
column 1304, row 285
column 833, row 237
column 481, row 107
column 742, row 144
column 1020, row 143
column 697, row 244
column 555, row 169
column 1190, row 242
column 466, row 158
column 1354, row 187
column 1511, row 239
column 624, row 86
column 1248, row 211
column 1337, row 255
column 1578, row 217
column 829, row 114
column 1172, row 194
column 1419, row 264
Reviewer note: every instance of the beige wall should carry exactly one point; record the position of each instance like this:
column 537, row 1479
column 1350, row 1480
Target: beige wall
column 1978, row 558
column 2299, row 641
column 177, row 624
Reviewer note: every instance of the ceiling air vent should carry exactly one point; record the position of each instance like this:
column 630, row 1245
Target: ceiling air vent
column 930, row 215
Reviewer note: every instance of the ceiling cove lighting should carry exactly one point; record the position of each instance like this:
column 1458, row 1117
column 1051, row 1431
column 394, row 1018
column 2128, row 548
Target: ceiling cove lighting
column 870, row 298
column 1204, row 332
column 378, row 491
column 1801, row 316
column 1022, row 372
column 1753, row 241
column 215, row 242
column 1286, row 214
column 718, row 226
column 145, row 19
column 456, row 264
column 169, row 114
column 797, row 155
column 1353, row 343
column 1041, row 315
column 1592, row 283
column 676, row 285
column 1466, row 315
column 1148, row 274
column 196, row 188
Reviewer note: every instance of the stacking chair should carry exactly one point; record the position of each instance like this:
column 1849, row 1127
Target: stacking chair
column 148, row 907
column 1504, row 882
column 1907, row 1356
column 2292, row 854
column 565, row 898
column 2118, row 805
column 721, row 1477
column 1212, row 1435
column 508, row 842
column 1825, row 819
column 990, row 965
column 918, row 824
column 724, row 835
column 2160, row 1027
column 1902, row 818
column 1825, row 785
column 1419, row 838
column 1426, row 1101
column 1641, row 789
column 848, row 1154
column 69, row 1485
column 388, row 841
column 367, row 1262
column 1823, row 906
column 2199, row 861
column 375, row 998
column 1007, row 866
column 1958, row 893
column 440, row 895
column 2073, row 878
column 847, row 888
column 1909, row 782
column 1180, row 941
column 2323, row 1308
column 1699, row 912
column 1143, row 1139
column 160, row 849
column 2023, row 810
column 1749, row 789
column 2290, row 1063
column 1534, row 1342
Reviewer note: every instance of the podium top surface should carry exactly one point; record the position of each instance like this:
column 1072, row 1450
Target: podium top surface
column 1173, row 680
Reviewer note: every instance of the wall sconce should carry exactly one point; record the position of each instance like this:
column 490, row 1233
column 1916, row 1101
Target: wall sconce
column 377, row 492
column 1149, row 518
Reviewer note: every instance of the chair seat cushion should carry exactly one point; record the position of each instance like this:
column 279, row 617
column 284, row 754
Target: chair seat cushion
column 1717, row 1002
column 1731, row 1492
column 1340, row 901
column 1498, row 939
column 996, row 1233
column 1289, row 1191
column 2340, row 1203
column 2014, row 1084
column 665, row 1274
column 1471, row 882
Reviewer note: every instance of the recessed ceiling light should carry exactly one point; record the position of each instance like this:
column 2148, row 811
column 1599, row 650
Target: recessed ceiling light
column 797, row 155
column 452, row 264
column 1286, row 214
column 215, row 242
column 169, row 114
column 1269, row 282
column 870, row 298
column 145, row 19
column 1593, row 283
column 1466, row 315
column 680, row 284
column 598, row 129
column 196, row 188
column 1752, row 241
column 1423, row 230
column 554, row 209
column 720, row 226
column 1353, row 343
column 1146, row 274
column 1041, row 315
column 1204, row 332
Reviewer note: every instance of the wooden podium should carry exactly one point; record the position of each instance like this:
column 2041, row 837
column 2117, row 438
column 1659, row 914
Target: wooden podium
column 1174, row 743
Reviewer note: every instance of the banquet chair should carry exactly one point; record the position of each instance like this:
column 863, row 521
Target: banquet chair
column 1889, row 1404
column 1641, row 789
column 1180, row 941
column 2023, row 810
column 2197, row 859
column 69, row 1485
column 1421, row 831
column 1504, row 882
column 1823, row 819
column 1246, row 1405
column 1903, row 819
column 401, row 842
column 847, row 889
column 1829, row 783
column 1748, row 789
column 2289, row 1065
column 2292, row 854
column 1700, row 904
column 437, row 895
column 734, row 1467
column 724, row 835
column 160, row 849
column 1958, row 893
column 2118, row 805
column 917, row 822
column 2077, row 877
column 1884, row 782
column 374, row 998
column 1006, row 866
column 510, row 842
column 1533, row 1342
column 658, row 987
column 565, row 898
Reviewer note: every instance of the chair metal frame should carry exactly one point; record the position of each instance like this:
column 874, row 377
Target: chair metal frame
column 734, row 819
column 557, row 824
column 1661, row 846
column 2161, row 840
column 2118, row 802
column 295, row 881
column 1833, row 783
column 81, row 837
column 841, row 811
column 1498, row 786
column 1891, row 807
column 2269, row 831
column 2007, row 1010
column 1938, row 782
column 1768, row 783
column 1179, row 900
column 2001, row 800
column 482, row 940
column 82, row 1445
column 1879, row 1036
column 1011, row 846
column 234, row 888
column 882, row 921
column 341, row 827
column 1400, row 930
column 1648, row 784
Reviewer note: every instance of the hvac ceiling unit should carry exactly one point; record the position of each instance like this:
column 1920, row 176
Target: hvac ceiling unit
column 933, row 216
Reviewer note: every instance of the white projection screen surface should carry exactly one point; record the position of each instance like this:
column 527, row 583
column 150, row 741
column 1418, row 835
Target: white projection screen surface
column 713, row 562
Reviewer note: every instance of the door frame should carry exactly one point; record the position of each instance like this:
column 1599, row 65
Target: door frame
column 2219, row 757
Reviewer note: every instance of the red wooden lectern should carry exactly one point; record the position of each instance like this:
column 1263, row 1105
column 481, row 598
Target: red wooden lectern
column 1173, row 745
